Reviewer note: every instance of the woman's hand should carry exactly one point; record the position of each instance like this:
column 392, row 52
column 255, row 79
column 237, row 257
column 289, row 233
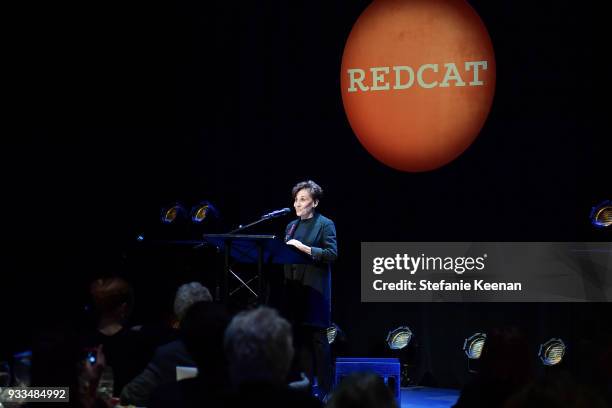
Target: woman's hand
column 93, row 372
column 304, row 248
column 89, row 378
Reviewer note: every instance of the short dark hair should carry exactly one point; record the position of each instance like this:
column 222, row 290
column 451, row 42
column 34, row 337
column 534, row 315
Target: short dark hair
column 313, row 188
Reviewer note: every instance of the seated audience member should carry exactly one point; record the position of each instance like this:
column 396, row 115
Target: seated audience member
column 202, row 330
column 60, row 360
column 188, row 295
column 162, row 367
column 113, row 302
column 259, row 350
column 362, row 390
column 556, row 390
column 505, row 367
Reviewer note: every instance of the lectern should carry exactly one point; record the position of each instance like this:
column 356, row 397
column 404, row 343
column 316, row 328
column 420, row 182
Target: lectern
column 259, row 249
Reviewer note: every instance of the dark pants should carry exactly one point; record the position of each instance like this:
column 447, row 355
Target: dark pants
column 312, row 355
column 312, row 350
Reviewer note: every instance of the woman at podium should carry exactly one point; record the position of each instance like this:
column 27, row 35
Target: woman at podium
column 307, row 289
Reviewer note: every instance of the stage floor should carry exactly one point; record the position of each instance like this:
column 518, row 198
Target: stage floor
column 424, row 397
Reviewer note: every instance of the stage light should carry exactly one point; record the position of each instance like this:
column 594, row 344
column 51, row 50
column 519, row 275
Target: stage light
column 332, row 332
column 173, row 214
column 472, row 346
column 601, row 215
column 399, row 338
column 202, row 211
column 551, row 353
column 400, row 346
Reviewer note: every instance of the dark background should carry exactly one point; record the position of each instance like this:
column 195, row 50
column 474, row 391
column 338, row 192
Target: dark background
column 117, row 110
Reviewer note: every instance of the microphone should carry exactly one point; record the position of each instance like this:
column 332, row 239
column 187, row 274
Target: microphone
column 276, row 213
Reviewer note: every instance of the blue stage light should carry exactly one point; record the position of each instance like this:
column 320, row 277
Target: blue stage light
column 472, row 346
column 601, row 215
column 332, row 332
column 551, row 353
column 202, row 211
column 173, row 214
column 399, row 338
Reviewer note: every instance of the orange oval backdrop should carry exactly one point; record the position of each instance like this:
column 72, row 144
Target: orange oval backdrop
column 418, row 79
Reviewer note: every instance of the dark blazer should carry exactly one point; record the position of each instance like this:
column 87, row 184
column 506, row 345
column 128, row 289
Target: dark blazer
column 160, row 370
column 308, row 287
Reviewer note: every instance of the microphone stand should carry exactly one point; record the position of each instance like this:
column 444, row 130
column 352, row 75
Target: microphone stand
column 243, row 227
